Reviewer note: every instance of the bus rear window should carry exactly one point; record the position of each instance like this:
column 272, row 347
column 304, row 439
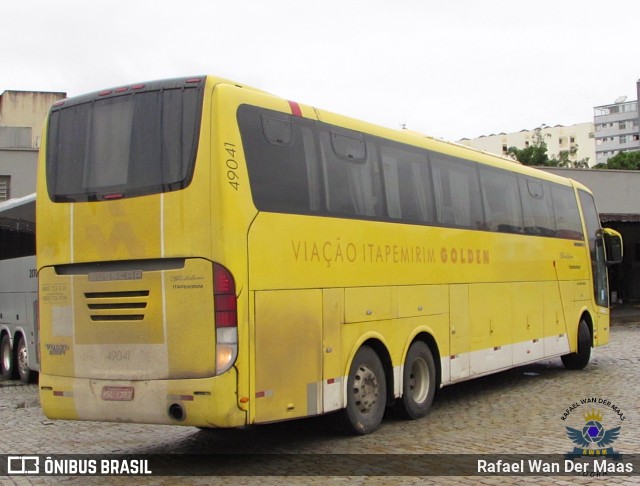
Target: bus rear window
column 140, row 143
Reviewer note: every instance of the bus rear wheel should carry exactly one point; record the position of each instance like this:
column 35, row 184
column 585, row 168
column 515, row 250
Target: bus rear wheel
column 366, row 392
column 22, row 361
column 419, row 382
column 7, row 362
column 580, row 359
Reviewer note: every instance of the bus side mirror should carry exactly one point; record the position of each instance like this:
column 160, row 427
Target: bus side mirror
column 613, row 246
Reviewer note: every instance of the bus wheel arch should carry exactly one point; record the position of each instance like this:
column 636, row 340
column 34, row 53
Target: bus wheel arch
column 421, row 376
column 369, row 386
column 580, row 359
column 587, row 318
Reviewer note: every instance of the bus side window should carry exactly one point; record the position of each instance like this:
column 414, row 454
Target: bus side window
column 278, row 132
column 500, row 194
column 281, row 161
column 567, row 217
column 17, row 239
column 537, row 207
column 407, row 184
column 351, row 174
column 457, row 192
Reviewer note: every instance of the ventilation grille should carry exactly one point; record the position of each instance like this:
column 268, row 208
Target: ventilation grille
column 117, row 306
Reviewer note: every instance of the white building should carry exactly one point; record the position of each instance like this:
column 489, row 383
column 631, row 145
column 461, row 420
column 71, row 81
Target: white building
column 558, row 139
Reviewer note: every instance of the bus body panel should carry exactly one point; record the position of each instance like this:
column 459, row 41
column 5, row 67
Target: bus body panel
column 293, row 389
column 334, row 254
column 109, row 322
column 205, row 401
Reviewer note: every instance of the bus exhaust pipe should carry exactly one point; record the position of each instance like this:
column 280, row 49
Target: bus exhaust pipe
column 177, row 412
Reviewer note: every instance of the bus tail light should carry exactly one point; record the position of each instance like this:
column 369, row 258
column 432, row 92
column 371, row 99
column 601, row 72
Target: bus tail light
column 226, row 318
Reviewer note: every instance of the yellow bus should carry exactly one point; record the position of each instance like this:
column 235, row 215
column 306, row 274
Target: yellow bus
column 215, row 256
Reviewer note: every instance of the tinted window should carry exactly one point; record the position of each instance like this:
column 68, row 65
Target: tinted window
column 457, row 192
column 278, row 131
column 351, row 174
column 18, row 231
column 596, row 248
column 567, row 217
column 407, row 182
column 349, row 146
column 281, row 159
column 537, row 207
column 503, row 210
column 131, row 144
column 304, row 166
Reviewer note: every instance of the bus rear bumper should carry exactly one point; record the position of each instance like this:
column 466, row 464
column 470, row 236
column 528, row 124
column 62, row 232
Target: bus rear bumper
column 202, row 402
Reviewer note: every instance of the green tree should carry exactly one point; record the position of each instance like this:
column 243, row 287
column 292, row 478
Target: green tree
column 624, row 161
column 534, row 154
column 564, row 159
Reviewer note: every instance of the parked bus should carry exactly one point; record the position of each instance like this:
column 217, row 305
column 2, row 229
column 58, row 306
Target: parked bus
column 18, row 289
column 215, row 256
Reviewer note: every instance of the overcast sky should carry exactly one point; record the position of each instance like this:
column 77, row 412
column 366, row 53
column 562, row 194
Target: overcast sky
column 447, row 68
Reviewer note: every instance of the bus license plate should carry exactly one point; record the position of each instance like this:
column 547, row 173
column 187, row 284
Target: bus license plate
column 117, row 393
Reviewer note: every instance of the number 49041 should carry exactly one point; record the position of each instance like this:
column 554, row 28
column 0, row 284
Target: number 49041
column 232, row 166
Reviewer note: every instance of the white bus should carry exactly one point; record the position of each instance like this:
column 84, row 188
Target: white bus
column 19, row 356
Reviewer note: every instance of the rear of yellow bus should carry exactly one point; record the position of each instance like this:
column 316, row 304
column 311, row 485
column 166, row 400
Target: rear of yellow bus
column 138, row 298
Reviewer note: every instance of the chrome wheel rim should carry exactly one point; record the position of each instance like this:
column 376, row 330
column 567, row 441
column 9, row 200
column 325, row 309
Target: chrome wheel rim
column 6, row 355
column 23, row 359
column 365, row 389
column 419, row 380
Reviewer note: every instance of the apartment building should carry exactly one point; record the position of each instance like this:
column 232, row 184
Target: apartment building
column 558, row 138
column 22, row 114
column 616, row 128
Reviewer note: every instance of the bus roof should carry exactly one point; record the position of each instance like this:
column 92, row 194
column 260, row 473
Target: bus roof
column 14, row 213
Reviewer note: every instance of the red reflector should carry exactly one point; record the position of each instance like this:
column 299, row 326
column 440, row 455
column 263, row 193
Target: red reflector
column 187, row 398
column 105, row 92
column 193, row 80
column 222, row 280
column 59, row 103
column 225, row 302
column 224, row 297
column 137, row 86
column 295, row 108
column 121, row 90
column 226, row 319
column 113, row 196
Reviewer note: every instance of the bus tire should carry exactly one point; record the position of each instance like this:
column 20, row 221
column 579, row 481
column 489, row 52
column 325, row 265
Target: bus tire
column 7, row 363
column 419, row 382
column 22, row 362
column 579, row 359
column 366, row 392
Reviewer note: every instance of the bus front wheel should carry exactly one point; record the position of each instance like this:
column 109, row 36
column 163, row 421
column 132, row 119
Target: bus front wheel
column 7, row 362
column 366, row 392
column 579, row 359
column 419, row 382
